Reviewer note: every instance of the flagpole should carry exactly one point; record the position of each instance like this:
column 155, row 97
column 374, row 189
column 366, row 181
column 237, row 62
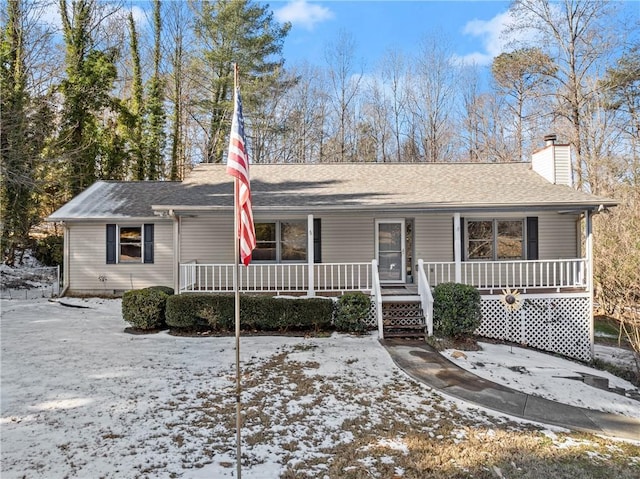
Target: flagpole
column 236, row 287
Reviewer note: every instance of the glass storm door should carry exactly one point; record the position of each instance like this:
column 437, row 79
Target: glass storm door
column 390, row 252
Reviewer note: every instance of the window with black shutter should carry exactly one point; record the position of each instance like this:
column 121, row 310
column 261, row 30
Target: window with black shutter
column 130, row 243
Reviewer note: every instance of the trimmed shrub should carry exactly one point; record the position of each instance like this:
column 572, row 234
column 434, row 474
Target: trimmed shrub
column 216, row 312
column 144, row 308
column 164, row 289
column 456, row 309
column 351, row 312
column 304, row 314
column 199, row 312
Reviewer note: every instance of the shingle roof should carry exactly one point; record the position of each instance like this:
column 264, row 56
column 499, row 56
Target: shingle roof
column 339, row 186
column 116, row 199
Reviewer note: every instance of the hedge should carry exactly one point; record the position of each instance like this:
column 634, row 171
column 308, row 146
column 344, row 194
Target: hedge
column 216, row 312
column 144, row 308
column 352, row 311
column 456, row 309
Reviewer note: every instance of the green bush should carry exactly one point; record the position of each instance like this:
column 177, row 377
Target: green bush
column 164, row 289
column 144, row 308
column 216, row 312
column 351, row 312
column 456, row 309
column 200, row 312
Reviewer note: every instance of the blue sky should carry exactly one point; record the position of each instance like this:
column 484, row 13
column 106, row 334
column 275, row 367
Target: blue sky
column 472, row 26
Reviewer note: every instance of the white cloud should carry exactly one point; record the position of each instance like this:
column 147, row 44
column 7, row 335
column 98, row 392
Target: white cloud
column 304, row 14
column 491, row 38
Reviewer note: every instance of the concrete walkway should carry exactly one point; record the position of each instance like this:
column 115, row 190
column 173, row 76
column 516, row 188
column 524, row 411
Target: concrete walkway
column 426, row 365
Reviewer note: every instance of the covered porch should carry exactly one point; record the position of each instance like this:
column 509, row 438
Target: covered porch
column 555, row 292
column 488, row 277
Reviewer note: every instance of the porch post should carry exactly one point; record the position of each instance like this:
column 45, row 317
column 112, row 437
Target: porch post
column 310, row 258
column 457, row 247
column 176, row 251
column 588, row 242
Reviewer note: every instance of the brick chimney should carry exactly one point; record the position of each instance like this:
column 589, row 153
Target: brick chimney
column 553, row 162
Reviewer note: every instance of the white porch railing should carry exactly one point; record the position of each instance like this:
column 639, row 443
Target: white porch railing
column 276, row 278
column 426, row 297
column 495, row 275
column 376, row 297
column 341, row 277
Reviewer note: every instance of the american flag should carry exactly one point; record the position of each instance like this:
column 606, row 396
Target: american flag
column 238, row 167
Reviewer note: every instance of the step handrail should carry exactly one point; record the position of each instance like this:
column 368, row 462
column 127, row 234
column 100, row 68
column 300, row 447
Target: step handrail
column 376, row 294
column 426, row 298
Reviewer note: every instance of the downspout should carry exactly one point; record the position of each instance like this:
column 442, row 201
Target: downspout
column 65, row 259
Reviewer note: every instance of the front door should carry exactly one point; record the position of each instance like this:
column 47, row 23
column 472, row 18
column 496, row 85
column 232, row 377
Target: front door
column 390, row 253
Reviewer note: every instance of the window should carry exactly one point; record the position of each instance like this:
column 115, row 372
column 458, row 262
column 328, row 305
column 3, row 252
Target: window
column 130, row 240
column 281, row 241
column 130, row 244
column 492, row 240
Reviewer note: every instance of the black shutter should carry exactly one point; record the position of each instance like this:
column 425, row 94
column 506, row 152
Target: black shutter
column 532, row 237
column 462, row 249
column 148, row 243
column 111, row 244
column 317, row 241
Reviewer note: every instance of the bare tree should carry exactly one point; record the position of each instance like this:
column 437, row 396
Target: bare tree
column 433, row 97
column 394, row 77
column 345, row 78
column 304, row 116
column 617, row 267
column 471, row 116
column 574, row 33
column 375, row 131
column 522, row 76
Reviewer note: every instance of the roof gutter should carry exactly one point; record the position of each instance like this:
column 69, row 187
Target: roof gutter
column 449, row 208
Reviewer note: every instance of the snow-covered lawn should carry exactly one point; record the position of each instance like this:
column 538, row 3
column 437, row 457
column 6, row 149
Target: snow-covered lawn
column 80, row 398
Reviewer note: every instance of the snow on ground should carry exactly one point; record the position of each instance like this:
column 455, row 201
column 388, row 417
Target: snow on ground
column 29, row 280
column 552, row 377
column 79, row 397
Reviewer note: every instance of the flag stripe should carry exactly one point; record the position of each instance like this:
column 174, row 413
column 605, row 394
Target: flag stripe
column 238, row 167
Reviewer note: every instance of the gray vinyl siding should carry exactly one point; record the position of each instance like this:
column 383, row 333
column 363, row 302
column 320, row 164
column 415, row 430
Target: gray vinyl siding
column 557, row 236
column 207, row 239
column 351, row 238
column 433, row 238
column 87, row 260
column 348, row 239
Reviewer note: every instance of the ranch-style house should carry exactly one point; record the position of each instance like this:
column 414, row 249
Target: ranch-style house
column 391, row 230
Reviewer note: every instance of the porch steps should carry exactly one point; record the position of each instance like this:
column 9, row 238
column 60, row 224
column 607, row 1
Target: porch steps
column 403, row 317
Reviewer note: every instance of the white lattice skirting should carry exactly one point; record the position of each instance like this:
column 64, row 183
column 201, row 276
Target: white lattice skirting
column 560, row 323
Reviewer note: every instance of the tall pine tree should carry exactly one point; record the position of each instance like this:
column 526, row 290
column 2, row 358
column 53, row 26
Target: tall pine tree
column 90, row 74
column 24, row 123
column 242, row 32
column 155, row 115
